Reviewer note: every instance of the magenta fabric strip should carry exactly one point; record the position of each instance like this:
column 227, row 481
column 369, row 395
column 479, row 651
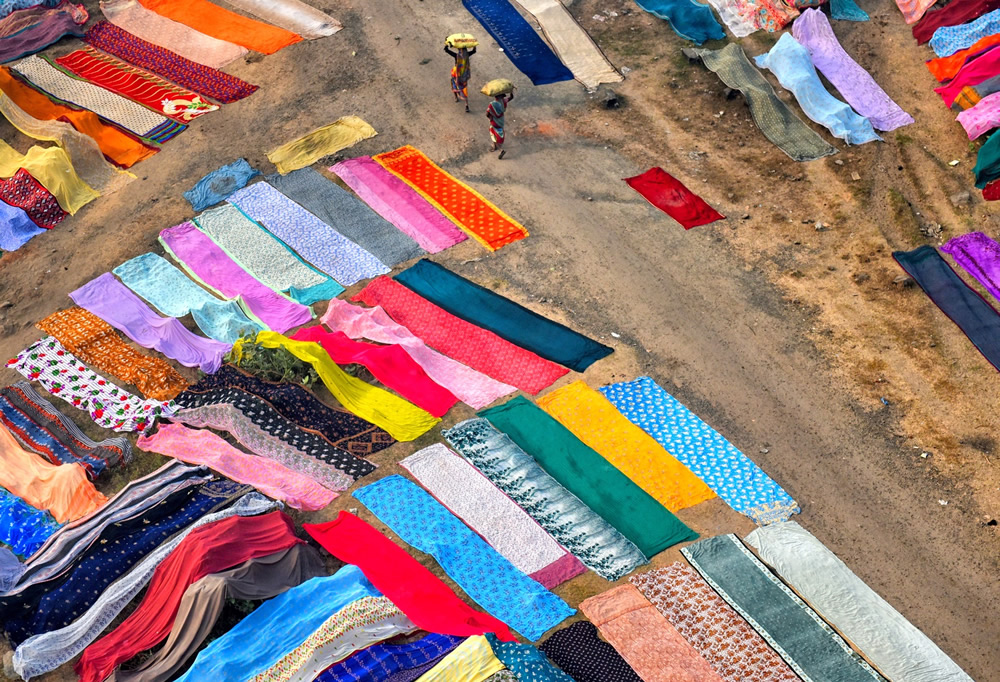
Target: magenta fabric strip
column 972, row 73
column 115, row 303
column 207, row 262
column 983, row 117
column 399, row 203
column 979, row 256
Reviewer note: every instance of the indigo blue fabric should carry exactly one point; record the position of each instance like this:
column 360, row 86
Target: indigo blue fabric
column 16, row 228
column 381, row 661
column 219, row 184
column 22, row 527
column 690, row 20
column 520, row 43
column 525, row 661
column 847, row 10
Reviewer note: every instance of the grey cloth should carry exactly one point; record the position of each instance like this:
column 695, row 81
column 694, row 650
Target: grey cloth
column 11, row 569
column 347, row 214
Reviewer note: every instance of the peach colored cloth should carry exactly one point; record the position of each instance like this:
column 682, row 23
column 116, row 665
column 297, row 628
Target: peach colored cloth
column 210, row 19
column 913, row 10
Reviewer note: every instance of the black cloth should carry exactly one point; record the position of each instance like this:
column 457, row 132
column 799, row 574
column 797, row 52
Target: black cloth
column 586, row 657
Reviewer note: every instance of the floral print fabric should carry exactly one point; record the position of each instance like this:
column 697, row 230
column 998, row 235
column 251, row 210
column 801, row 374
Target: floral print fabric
column 24, row 192
column 391, row 662
column 527, row 663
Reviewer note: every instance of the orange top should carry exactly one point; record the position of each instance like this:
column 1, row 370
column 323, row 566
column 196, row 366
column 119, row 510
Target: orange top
column 121, row 149
column 210, row 19
column 945, row 68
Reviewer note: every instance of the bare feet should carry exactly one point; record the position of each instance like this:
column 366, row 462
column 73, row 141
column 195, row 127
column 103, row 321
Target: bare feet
column 493, row 148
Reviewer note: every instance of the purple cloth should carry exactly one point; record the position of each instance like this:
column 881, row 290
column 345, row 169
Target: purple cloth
column 38, row 36
column 115, row 303
column 855, row 85
column 208, row 263
column 979, row 256
column 16, row 227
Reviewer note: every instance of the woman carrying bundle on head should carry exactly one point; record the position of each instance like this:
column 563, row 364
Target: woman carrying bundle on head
column 458, row 46
column 502, row 92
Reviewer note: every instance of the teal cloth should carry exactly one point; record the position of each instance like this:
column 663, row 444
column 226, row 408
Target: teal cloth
column 847, row 10
column 988, row 161
column 689, row 19
column 590, row 477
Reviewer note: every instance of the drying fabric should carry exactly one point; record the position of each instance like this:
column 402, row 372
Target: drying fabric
column 293, row 402
column 24, row 192
column 206, row 550
column 16, row 228
column 93, row 341
column 495, row 517
column 789, row 61
column 596, row 422
column 463, row 205
column 204, row 80
column 585, row 656
column 271, row 478
column 347, row 216
column 39, row 34
column 9, row 6
column 18, row 20
column 954, row 13
column 568, row 520
column 716, row 631
column 589, row 476
column 11, row 569
column 219, row 184
column 982, row 118
column 731, row 474
column 847, row 10
column 945, row 68
column 473, row 388
column 304, row 151
column 392, row 199
column 979, row 256
column 133, row 18
column 391, row 662
column 114, row 303
column 690, row 20
column 259, row 253
column 401, row 419
column 505, row 318
column 772, row 15
column 313, row 239
column 669, row 194
column 854, row 84
column 488, row 578
column 963, row 305
column 970, row 75
column 644, row 638
column 969, row 96
column 992, row 191
column 470, row 661
column 206, row 262
column 422, row 596
column 173, row 293
column 893, row 645
column 736, row 16
column 948, row 40
column 291, row 15
column 913, row 10
column 518, row 40
column 803, row 639
column 50, row 167
column 478, row 348
column 22, row 527
column 527, row 663
column 220, row 23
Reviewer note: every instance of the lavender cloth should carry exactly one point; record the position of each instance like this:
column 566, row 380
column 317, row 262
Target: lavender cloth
column 38, row 36
column 979, row 256
column 16, row 228
column 115, row 303
column 855, row 85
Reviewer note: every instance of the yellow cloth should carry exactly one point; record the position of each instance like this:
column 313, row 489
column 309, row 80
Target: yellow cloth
column 51, row 167
column 470, row 661
column 330, row 139
column 595, row 421
column 403, row 420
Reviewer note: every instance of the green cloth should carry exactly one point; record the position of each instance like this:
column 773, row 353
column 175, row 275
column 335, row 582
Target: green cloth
column 988, row 161
column 609, row 492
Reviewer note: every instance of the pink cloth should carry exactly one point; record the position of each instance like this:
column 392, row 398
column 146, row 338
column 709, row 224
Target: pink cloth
column 204, row 259
column 389, row 364
column 973, row 73
column 473, row 388
column 399, row 203
column 983, row 117
column 913, row 10
column 269, row 477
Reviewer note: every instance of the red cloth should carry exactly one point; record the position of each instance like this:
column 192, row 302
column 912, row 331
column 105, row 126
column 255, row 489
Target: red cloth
column 422, row 596
column 992, row 191
column 973, row 73
column 668, row 194
column 471, row 345
column 389, row 364
column 954, row 13
column 209, row 549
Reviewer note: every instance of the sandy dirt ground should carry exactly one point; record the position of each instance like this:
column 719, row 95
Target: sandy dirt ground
column 803, row 346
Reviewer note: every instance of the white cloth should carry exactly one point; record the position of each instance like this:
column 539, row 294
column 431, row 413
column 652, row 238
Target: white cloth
column 291, row 15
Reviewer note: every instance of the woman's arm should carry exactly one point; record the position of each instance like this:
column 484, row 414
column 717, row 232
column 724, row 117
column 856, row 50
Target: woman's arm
column 472, row 52
column 454, row 55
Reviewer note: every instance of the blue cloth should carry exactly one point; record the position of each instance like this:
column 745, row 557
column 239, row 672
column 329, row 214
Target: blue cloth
column 690, row 20
column 16, row 228
column 219, row 184
column 526, row 662
column 278, row 626
column 731, row 474
column 486, row 576
column 8, row 6
column 847, row 10
column 380, row 661
column 11, row 569
column 22, row 527
column 790, row 62
column 519, row 41
column 19, row 423
column 948, row 40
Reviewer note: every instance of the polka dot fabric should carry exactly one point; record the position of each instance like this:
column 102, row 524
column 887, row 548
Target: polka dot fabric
column 586, row 657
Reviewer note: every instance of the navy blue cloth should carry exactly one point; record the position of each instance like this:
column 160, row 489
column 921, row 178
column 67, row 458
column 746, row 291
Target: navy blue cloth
column 519, row 41
column 219, row 184
column 689, row 19
column 43, row 441
column 392, row 661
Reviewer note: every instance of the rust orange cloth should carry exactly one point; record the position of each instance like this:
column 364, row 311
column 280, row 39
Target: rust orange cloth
column 94, row 341
column 210, row 19
column 945, row 68
column 62, row 490
column 461, row 204
column 599, row 424
column 121, row 149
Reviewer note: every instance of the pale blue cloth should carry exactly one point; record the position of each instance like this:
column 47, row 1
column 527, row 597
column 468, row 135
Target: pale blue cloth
column 16, row 228
column 731, row 474
column 947, row 40
column 847, row 10
column 789, row 61
column 11, row 569
column 219, row 184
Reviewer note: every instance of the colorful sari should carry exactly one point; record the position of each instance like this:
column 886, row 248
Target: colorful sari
column 495, row 112
column 460, row 74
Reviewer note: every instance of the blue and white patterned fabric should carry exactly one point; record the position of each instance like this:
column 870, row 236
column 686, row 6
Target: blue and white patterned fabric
column 731, row 474
column 8, row 6
column 22, row 527
column 948, row 40
column 526, row 662
column 387, row 661
column 480, row 570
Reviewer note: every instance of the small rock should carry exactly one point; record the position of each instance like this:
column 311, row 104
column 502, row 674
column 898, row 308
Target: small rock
column 746, row 216
column 616, row 335
column 904, row 281
column 855, row 175
column 822, row 227
column 961, row 199
column 861, row 277
column 924, row 455
column 611, row 99
column 831, row 268
column 839, row 162
column 425, row 60
column 954, row 162
column 590, row 198
column 764, row 451
column 806, row 221
column 943, row 503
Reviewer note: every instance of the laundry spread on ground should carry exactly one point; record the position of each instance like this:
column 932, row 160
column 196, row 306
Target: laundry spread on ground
column 690, row 19
column 669, row 194
column 345, row 132
column 218, row 22
column 53, row 169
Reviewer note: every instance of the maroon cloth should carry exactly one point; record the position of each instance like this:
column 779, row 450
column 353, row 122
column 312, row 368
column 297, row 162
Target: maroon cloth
column 22, row 191
column 992, row 191
column 954, row 13
column 973, row 73
column 668, row 194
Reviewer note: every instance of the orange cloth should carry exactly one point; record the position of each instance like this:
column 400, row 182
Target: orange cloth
column 62, row 490
column 94, row 341
column 121, row 149
column 210, row 19
column 945, row 68
column 461, row 204
column 599, row 424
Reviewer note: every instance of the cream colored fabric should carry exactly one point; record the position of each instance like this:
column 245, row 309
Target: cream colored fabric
column 291, row 15
column 51, row 167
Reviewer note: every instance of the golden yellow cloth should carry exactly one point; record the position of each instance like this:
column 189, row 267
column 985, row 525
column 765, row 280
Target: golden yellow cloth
column 330, row 139
column 403, row 420
column 62, row 490
column 471, row 661
column 51, row 167
column 595, row 421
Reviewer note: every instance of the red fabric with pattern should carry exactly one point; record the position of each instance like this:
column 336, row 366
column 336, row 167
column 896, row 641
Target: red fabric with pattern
column 22, row 191
column 992, row 191
column 669, row 194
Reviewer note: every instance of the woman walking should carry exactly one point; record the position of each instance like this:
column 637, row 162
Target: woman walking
column 495, row 112
column 460, row 73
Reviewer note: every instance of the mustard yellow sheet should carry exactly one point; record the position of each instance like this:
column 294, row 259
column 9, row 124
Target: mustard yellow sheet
column 51, row 167
column 595, row 421
column 403, row 420
column 330, row 139
column 471, row 661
